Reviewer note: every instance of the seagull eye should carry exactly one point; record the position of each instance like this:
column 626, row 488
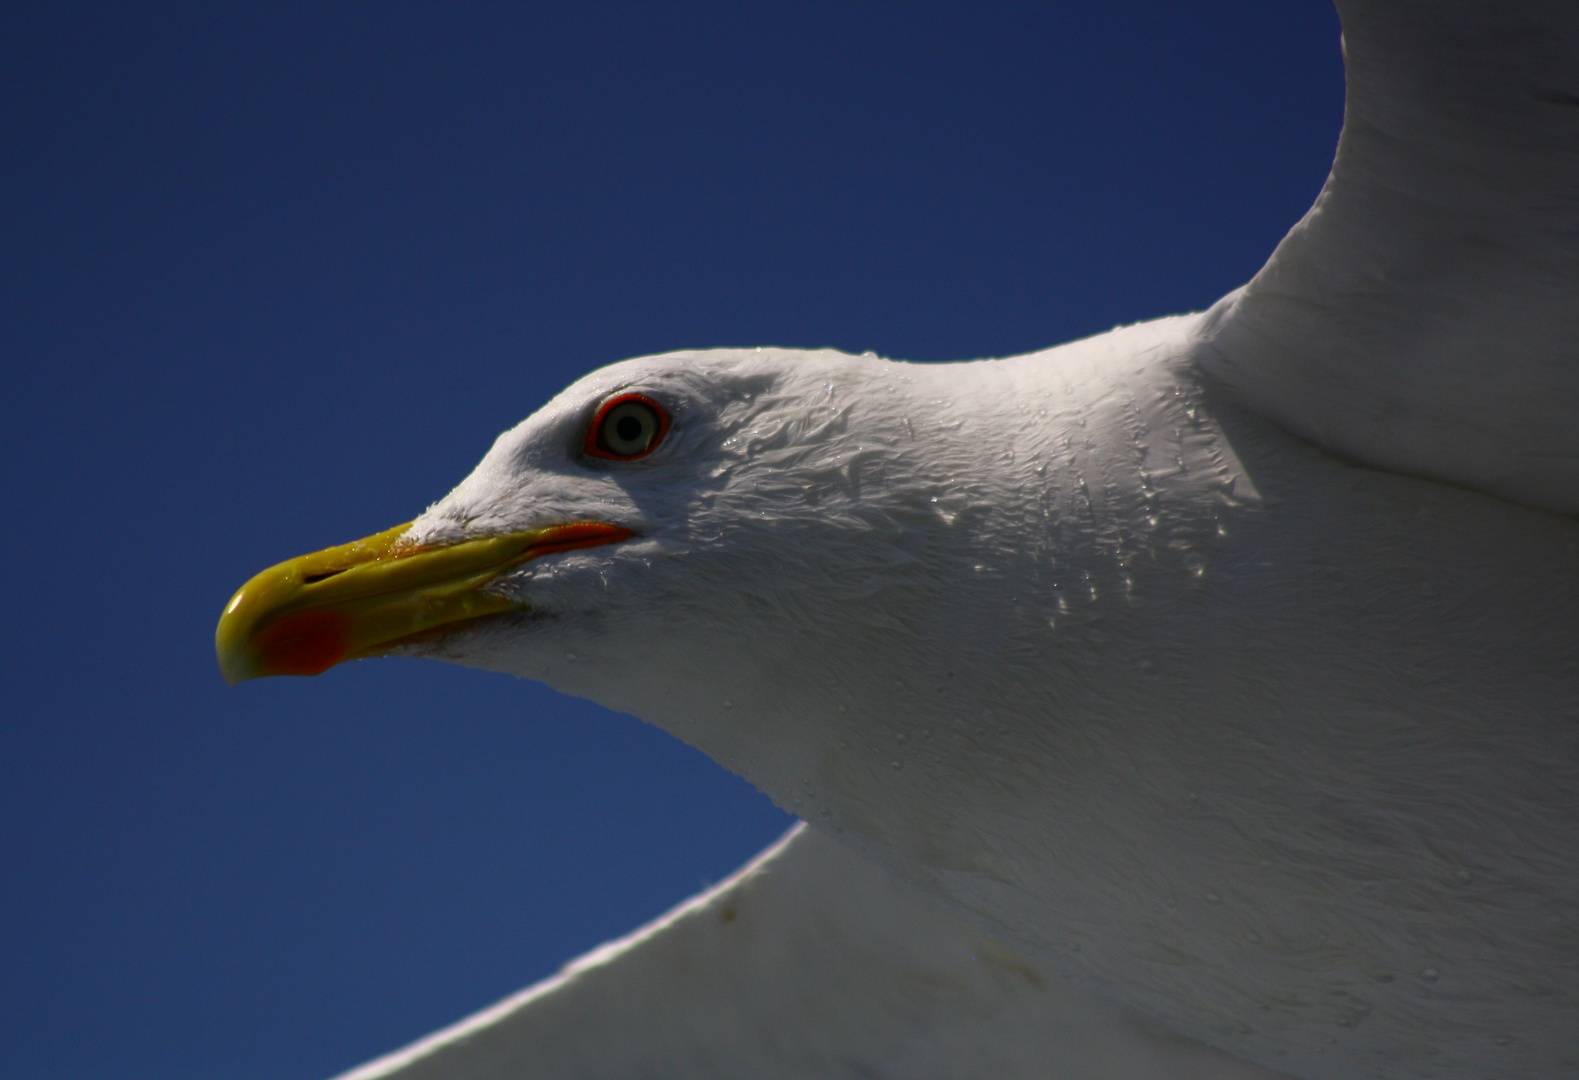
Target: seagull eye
column 627, row 427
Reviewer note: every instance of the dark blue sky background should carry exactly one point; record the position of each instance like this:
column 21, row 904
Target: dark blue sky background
column 272, row 277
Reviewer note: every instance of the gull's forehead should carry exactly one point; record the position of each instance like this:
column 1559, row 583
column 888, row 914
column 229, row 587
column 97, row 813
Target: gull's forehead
column 694, row 377
column 695, row 385
column 534, row 470
column 704, row 376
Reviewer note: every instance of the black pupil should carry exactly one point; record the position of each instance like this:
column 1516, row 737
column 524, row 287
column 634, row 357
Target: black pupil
column 628, row 428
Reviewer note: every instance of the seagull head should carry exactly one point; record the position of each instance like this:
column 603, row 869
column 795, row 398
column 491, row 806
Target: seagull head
column 687, row 537
column 831, row 573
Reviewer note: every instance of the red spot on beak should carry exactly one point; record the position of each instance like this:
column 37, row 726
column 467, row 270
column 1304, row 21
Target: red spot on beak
column 304, row 643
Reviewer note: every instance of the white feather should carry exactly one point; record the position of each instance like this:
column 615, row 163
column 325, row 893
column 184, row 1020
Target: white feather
column 810, row 961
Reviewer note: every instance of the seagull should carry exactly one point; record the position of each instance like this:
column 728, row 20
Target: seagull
column 1199, row 699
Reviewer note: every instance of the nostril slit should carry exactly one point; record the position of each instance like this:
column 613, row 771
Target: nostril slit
column 310, row 579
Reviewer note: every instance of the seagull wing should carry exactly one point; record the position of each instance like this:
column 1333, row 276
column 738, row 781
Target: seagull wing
column 1423, row 317
column 809, row 961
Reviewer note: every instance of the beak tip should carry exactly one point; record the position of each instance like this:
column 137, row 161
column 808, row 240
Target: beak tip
column 234, row 668
column 231, row 648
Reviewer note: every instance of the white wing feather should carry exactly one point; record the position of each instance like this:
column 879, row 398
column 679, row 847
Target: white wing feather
column 1424, row 316
column 810, row 961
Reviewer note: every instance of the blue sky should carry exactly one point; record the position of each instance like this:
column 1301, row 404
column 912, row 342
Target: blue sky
column 273, row 276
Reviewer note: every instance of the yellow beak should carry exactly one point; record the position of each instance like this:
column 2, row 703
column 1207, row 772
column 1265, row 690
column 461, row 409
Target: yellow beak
column 362, row 599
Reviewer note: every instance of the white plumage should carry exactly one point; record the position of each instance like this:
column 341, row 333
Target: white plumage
column 1134, row 717
column 810, row 961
